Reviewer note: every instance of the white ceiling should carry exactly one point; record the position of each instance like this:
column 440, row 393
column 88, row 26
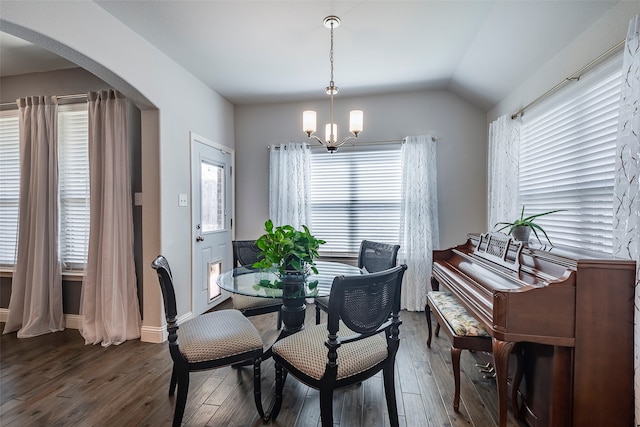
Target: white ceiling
column 270, row 51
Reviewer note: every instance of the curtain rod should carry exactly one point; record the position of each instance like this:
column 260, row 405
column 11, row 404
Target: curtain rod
column 59, row 97
column 574, row 77
column 390, row 141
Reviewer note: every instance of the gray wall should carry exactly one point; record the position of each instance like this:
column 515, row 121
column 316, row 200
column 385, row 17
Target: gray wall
column 461, row 151
column 606, row 32
column 173, row 103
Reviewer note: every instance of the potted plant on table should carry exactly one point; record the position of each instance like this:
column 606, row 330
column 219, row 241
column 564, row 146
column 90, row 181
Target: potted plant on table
column 291, row 252
column 522, row 227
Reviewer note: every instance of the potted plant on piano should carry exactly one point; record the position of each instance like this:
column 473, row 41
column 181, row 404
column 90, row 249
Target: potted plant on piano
column 521, row 228
column 290, row 252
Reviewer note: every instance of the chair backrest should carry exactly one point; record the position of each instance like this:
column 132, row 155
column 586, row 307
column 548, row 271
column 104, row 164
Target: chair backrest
column 245, row 252
column 161, row 265
column 375, row 256
column 365, row 302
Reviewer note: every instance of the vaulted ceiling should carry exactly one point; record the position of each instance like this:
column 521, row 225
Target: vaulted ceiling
column 271, row 51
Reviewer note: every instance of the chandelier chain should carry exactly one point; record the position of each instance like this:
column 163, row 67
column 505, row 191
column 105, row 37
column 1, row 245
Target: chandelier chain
column 331, row 84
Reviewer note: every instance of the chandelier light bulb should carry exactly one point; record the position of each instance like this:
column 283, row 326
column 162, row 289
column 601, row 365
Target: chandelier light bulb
column 331, row 138
column 309, row 122
column 356, row 119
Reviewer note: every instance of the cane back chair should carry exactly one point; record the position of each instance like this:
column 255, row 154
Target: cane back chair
column 360, row 308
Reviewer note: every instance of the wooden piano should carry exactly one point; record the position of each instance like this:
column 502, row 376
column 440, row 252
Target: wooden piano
column 567, row 317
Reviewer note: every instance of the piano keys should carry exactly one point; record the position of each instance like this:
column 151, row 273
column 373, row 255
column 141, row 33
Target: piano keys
column 565, row 313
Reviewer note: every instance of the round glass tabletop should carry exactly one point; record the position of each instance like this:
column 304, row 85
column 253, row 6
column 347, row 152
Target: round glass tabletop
column 263, row 283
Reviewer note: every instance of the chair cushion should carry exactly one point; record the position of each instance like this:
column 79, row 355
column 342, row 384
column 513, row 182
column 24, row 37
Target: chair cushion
column 217, row 335
column 462, row 323
column 306, row 351
column 243, row 302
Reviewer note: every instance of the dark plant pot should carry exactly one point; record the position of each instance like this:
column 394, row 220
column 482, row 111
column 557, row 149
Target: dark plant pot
column 521, row 233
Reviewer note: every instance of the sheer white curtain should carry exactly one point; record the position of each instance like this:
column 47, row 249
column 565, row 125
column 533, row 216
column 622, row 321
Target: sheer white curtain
column 289, row 167
column 504, row 150
column 35, row 307
column 109, row 300
column 626, row 201
column 419, row 232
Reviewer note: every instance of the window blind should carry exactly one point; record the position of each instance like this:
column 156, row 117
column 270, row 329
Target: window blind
column 9, row 185
column 355, row 194
column 567, row 159
column 73, row 176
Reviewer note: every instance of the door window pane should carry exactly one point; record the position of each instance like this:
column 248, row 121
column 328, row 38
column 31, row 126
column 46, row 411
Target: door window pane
column 212, row 196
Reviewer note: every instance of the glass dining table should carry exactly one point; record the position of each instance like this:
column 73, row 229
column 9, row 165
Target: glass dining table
column 260, row 283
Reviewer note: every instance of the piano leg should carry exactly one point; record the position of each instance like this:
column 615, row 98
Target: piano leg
column 501, row 352
column 517, row 379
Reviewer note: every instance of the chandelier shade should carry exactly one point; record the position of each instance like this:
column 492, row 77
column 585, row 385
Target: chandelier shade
column 309, row 117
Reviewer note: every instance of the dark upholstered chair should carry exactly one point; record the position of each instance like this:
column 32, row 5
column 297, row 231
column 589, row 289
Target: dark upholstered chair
column 349, row 348
column 208, row 341
column 245, row 253
column 373, row 257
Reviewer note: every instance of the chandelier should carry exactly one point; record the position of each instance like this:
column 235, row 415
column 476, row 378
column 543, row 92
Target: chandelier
column 331, row 130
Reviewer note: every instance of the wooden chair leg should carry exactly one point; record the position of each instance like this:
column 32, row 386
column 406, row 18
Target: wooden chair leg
column 318, row 314
column 390, row 394
column 279, row 320
column 174, row 380
column 279, row 386
column 181, row 401
column 326, row 407
column 455, row 361
column 257, row 388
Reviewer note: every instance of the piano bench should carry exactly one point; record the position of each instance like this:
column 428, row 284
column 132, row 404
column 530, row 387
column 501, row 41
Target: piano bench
column 464, row 331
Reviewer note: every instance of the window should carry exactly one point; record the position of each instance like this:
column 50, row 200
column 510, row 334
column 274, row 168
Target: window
column 567, row 159
column 9, row 186
column 73, row 185
column 355, row 195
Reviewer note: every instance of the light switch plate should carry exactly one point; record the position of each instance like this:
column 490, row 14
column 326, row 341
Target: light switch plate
column 182, row 200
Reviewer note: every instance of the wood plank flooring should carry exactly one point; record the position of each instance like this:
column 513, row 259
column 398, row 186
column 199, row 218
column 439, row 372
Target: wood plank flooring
column 56, row 380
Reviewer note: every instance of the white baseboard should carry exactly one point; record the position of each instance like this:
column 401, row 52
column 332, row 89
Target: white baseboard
column 71, row 321
column 158, row 334
column 152, row 334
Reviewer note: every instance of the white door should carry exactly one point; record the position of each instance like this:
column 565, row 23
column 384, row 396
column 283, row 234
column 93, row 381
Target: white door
column 211, row 187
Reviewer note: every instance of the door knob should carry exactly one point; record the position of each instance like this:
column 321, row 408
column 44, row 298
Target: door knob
column 199, row 239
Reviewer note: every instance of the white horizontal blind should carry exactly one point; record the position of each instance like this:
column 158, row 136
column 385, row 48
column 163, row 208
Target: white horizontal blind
column 567, row 159
column 9, row 185
column 355, row 195
column 73, row 175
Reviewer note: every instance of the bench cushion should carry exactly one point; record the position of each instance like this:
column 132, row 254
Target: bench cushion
column 462, row 323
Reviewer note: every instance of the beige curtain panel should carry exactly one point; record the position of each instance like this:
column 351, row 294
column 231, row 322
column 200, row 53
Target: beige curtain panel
column 109, row 302
column 35, row 307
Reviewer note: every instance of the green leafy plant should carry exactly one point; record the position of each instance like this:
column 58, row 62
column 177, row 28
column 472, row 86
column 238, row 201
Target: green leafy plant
column 527, row 222
column 287, row 249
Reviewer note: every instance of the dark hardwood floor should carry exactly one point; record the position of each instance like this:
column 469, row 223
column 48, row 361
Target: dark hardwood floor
column 56, row 380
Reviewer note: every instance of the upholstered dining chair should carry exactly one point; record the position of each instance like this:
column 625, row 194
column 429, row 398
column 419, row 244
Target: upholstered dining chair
column 208, row 341
column 350, row 347
column 246, row 253
column 373, row 257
